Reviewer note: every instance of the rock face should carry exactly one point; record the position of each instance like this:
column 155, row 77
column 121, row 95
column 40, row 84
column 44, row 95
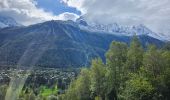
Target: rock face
column 59, row 44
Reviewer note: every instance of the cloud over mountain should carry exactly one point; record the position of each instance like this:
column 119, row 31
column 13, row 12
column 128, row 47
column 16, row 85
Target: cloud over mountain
column 152, row 13
column 26, row 12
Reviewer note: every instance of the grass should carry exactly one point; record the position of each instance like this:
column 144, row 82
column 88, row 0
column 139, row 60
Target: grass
column 45, row 92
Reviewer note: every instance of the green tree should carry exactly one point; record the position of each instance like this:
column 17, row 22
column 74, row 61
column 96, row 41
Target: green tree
column 166, row 75
column 137, row 88
column 134, row 55
column 80, row 88
column 166, row 80
column 167, row 46
column 129, row 74
column 98, row 79
column 153, row 61
column 166, row 58
column 83, row 85
column 115, row 59
column 155, row 66
column 71, row 92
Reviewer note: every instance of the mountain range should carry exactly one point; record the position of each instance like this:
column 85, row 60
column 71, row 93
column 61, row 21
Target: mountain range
column 117, row 29
column 63, row 44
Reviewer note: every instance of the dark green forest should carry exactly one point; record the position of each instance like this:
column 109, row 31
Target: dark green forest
column 130, row 73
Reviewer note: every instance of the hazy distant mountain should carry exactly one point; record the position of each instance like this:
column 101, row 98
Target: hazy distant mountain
column 58, row 44
column 7, row 22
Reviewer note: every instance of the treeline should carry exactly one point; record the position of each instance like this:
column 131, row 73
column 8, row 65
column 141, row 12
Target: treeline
column 130, row 73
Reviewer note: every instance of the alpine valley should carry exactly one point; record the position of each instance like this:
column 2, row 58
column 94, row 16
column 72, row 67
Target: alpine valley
column 63, row 44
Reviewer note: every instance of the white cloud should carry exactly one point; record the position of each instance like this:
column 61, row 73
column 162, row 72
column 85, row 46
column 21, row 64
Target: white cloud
column 67, row 16
column 152, row 13
column 26, row 12
column 155, row 14
column 75, row 3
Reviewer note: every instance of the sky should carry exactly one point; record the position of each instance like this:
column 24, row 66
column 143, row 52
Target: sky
column 56, row 6
column 155, row 14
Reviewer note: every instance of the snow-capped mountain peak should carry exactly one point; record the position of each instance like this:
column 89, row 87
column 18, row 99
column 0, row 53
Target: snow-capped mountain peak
column 118, row 29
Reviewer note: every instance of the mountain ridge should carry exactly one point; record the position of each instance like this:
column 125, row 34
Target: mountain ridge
column 119, row 29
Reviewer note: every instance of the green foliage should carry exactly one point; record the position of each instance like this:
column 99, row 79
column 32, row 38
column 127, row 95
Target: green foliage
column 27, row 94
column 80, row 88
column 130, row 73
column 83, row 85
column 137, row 88
column 166, row 58
column 45, row 91
column 167, row 46
column 155, row 66
column 98, row 78
column 116, row 58
column 97, row 98
column 153, row 61
column 134, row 55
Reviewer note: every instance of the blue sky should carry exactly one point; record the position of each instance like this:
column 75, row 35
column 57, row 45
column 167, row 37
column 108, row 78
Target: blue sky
column 56, row 7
